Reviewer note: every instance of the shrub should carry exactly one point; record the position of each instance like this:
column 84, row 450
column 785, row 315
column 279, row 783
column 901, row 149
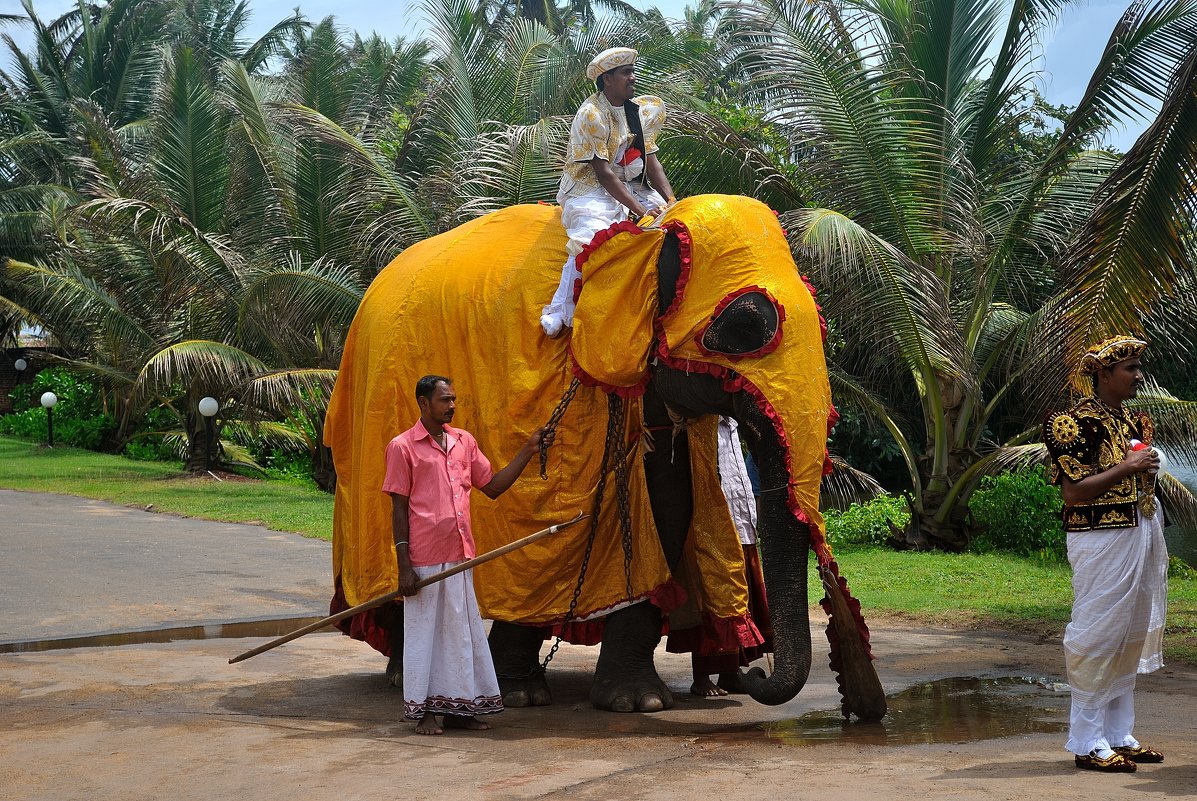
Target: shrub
column 1018, row 512
column 867, row 523
column 151, row 449
column 1180, row 569
column 79, row 417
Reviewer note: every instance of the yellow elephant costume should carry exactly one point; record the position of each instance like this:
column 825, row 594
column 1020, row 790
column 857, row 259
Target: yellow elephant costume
column 464, row 304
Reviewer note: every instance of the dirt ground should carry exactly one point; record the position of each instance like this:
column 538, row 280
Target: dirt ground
column 314, row 719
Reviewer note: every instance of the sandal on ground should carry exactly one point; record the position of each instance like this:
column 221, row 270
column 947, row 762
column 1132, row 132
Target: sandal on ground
column 1115, row 763
column 1139, row 754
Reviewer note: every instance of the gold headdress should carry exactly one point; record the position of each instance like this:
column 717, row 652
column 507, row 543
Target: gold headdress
column 1110, row 352
column 609, row 59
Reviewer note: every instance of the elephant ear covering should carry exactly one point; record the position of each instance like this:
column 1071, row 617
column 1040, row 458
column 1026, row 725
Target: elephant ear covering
column 616, row 303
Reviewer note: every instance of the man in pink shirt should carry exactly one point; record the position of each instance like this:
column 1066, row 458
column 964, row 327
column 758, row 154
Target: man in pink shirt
column 430, row 470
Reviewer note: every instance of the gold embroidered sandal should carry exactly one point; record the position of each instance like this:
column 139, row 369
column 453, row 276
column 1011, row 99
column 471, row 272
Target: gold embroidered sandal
column 1140, row 754
column 1115, row 763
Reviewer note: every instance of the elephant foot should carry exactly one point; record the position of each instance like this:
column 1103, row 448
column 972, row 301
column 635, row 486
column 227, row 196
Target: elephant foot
column 625, row 679
column 641, row 693
column 515, row 650
column 531, row 691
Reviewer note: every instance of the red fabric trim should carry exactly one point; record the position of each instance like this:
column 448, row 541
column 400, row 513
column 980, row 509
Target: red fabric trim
column 716, row 635
column 363, row 626
column 580, row 632
column 685, row 251
column 768, row 347
column 666, row 597
column 835, row 658
column 814, row 295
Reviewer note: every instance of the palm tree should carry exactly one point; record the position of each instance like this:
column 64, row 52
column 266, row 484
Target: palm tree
column 119, row 120
column 961, row 282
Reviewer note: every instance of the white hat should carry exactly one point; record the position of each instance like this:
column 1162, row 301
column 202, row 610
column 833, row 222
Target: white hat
column 609, row 59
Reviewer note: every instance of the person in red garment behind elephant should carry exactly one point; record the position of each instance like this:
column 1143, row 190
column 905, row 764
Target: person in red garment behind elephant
column 430, row 470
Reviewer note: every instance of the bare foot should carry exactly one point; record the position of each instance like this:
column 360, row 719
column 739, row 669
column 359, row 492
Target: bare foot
column 427, row 725
column 468, row 722
column 704, row 688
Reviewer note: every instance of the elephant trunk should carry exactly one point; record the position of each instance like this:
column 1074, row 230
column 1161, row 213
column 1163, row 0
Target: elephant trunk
column 784, row 543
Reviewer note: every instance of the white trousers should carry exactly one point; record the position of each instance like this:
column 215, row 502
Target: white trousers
column 1102, row 728
column 447, row 667
column 583, row 217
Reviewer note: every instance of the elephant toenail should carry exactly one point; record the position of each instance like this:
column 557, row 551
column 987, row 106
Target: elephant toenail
column 622, row 703
column 651, row 702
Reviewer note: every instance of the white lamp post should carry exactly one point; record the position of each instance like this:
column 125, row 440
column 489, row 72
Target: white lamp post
column 19, row 365
column 208, row 407
column 49, row 400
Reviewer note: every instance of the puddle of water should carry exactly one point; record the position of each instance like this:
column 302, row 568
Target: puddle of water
column 274, row 627
column 954, row 710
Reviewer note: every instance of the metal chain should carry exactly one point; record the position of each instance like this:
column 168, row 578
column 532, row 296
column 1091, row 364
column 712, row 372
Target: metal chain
column 615, row 412
column 600, row 488
column 554, row 420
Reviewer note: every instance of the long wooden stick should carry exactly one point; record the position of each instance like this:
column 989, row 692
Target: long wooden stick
column 390, row 596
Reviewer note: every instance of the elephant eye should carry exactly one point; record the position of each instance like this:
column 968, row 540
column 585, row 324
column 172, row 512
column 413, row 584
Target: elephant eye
column 748, row 323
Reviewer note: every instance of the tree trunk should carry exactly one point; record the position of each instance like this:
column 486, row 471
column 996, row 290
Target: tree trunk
column 932, row 525
column 198, row 444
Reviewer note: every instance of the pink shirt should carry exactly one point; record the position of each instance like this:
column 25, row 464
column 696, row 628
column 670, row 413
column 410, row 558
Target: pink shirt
column 437, row 484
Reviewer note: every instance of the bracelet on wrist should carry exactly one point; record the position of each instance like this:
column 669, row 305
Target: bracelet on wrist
column 400, row 542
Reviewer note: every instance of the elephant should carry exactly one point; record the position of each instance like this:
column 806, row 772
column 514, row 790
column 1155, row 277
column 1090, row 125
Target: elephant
column 703, row 313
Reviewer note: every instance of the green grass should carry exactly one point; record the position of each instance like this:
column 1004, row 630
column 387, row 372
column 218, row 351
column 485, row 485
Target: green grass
column 277, row 505
column 988, row 590
column 935, row 588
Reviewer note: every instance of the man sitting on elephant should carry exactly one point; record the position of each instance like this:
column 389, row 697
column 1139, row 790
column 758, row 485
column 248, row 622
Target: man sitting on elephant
column 611, row 168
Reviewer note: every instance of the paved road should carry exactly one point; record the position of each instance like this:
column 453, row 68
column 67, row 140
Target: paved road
column 315, row 720
column 73, row 566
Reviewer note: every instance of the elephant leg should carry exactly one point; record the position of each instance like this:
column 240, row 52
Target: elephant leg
column 625, row 679
column 390, row 617
column 515, row 650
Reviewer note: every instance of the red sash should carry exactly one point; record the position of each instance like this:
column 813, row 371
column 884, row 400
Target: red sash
column 629, row 155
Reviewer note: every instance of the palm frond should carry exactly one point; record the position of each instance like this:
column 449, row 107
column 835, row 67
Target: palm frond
column 1175, row 421
column 1132, row 252
column 1179, row 502
column 511, row 165
column 868, row 283
column 817, row 74
column 198, row 363
column 845, row 485
column 380, row 193
column 190, row 158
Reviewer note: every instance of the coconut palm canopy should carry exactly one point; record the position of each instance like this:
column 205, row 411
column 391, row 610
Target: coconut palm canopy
column 191, row 213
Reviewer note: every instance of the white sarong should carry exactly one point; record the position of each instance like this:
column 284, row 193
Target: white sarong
column 734, row 480
column 1120, row 597
column 447, row 667
column 584, row 216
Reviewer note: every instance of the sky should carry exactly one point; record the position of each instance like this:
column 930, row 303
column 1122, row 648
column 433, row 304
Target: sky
column 1070, row 53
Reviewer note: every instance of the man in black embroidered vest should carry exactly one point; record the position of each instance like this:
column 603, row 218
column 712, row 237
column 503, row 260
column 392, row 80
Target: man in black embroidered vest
column 1117, row 552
